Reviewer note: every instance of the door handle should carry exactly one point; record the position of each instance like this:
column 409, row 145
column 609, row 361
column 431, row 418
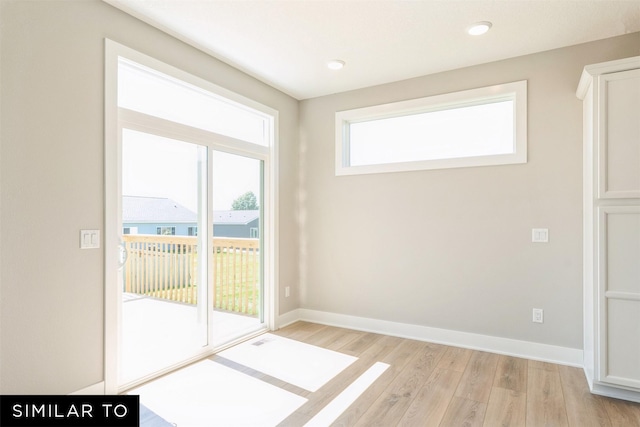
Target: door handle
column 123, row 255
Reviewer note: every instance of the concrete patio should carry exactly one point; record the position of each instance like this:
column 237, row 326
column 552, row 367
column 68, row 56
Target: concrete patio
column 159, row 333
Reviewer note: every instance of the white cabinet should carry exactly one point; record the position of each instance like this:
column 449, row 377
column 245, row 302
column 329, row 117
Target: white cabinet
column 611, row 111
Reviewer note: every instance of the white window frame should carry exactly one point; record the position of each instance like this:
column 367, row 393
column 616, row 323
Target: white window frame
column 516, row 91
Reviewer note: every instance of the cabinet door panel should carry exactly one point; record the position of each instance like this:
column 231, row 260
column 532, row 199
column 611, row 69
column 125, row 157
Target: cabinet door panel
column 622, row 250
column 619, row 135
column 619, row 294
column 623, row 333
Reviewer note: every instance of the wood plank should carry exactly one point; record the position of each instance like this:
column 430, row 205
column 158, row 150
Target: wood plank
column 333, row 338
column 477, row 378
column 300, row 330
column 545, row 401
column 535, row 364
column 244, row 280
column 319, row 399
column 622, row 413
column 319, row 336
column 342, row 340
column 464, row 413
column 234, row 279
column 398, row 358
column 506, row 408
column 231, row 278
column 478, row 388
column 397, row 397
column 583, row 408
column 431, row 402
column 455, row 359
column 511, row 373
column 360, row 344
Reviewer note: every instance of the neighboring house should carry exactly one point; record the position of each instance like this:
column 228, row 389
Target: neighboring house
column 236, row 224
column 157, row 215
column 160, row 215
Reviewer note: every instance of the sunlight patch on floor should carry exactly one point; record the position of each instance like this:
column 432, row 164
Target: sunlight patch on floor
column 210, row 394
column 297, row 363
column 337, row 406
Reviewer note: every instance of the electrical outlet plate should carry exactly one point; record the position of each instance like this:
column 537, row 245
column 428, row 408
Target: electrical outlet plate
column 538, row 315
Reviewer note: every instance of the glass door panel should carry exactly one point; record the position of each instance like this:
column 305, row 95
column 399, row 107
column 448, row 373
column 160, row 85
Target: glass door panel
column 164, row 279
column 237, row 246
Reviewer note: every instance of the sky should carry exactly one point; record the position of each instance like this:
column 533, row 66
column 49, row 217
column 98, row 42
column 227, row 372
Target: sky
column 154, row 166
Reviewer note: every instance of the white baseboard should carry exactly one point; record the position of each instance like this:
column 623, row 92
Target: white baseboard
column 507, row 346
column 288, row 318
column 616, row 393
column 95, row 389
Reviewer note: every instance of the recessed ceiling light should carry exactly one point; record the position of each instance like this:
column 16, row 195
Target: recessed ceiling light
column 479, row 28
column 335, row 64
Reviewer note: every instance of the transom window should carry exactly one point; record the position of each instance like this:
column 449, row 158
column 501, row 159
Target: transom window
column 478, row 127
column 157, row 94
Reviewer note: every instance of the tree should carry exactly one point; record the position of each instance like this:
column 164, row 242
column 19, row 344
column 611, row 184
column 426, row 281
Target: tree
column 246, row 202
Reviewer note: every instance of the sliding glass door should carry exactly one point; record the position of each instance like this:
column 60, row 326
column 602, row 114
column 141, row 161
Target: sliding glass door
column 189, row 197
column 165, row 276
column 191, row 277
column 237, row 245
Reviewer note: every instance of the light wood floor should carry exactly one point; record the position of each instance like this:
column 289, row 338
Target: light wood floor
column 435, row 385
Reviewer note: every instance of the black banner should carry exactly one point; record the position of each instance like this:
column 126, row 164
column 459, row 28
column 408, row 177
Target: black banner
column 76, row 410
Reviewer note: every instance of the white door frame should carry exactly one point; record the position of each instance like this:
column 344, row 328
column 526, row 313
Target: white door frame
column 114, row 118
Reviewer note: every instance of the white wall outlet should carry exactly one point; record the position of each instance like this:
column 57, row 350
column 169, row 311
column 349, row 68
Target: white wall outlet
column 538, row 315
column 540, row 235
column 287, row 292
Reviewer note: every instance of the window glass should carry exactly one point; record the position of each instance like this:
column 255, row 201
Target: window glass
column 477, row 130
column 479, row 127
column 151, row 92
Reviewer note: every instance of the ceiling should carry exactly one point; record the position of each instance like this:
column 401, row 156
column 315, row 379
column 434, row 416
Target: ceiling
column 286, row 43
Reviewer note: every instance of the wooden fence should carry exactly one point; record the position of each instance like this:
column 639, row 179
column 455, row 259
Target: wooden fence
column 166, row 267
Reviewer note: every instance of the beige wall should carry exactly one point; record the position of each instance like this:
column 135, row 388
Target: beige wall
column 52, row 182
column 452, row 248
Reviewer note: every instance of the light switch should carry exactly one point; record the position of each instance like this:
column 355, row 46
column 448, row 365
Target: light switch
column 540, row 235
column 89, row 239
